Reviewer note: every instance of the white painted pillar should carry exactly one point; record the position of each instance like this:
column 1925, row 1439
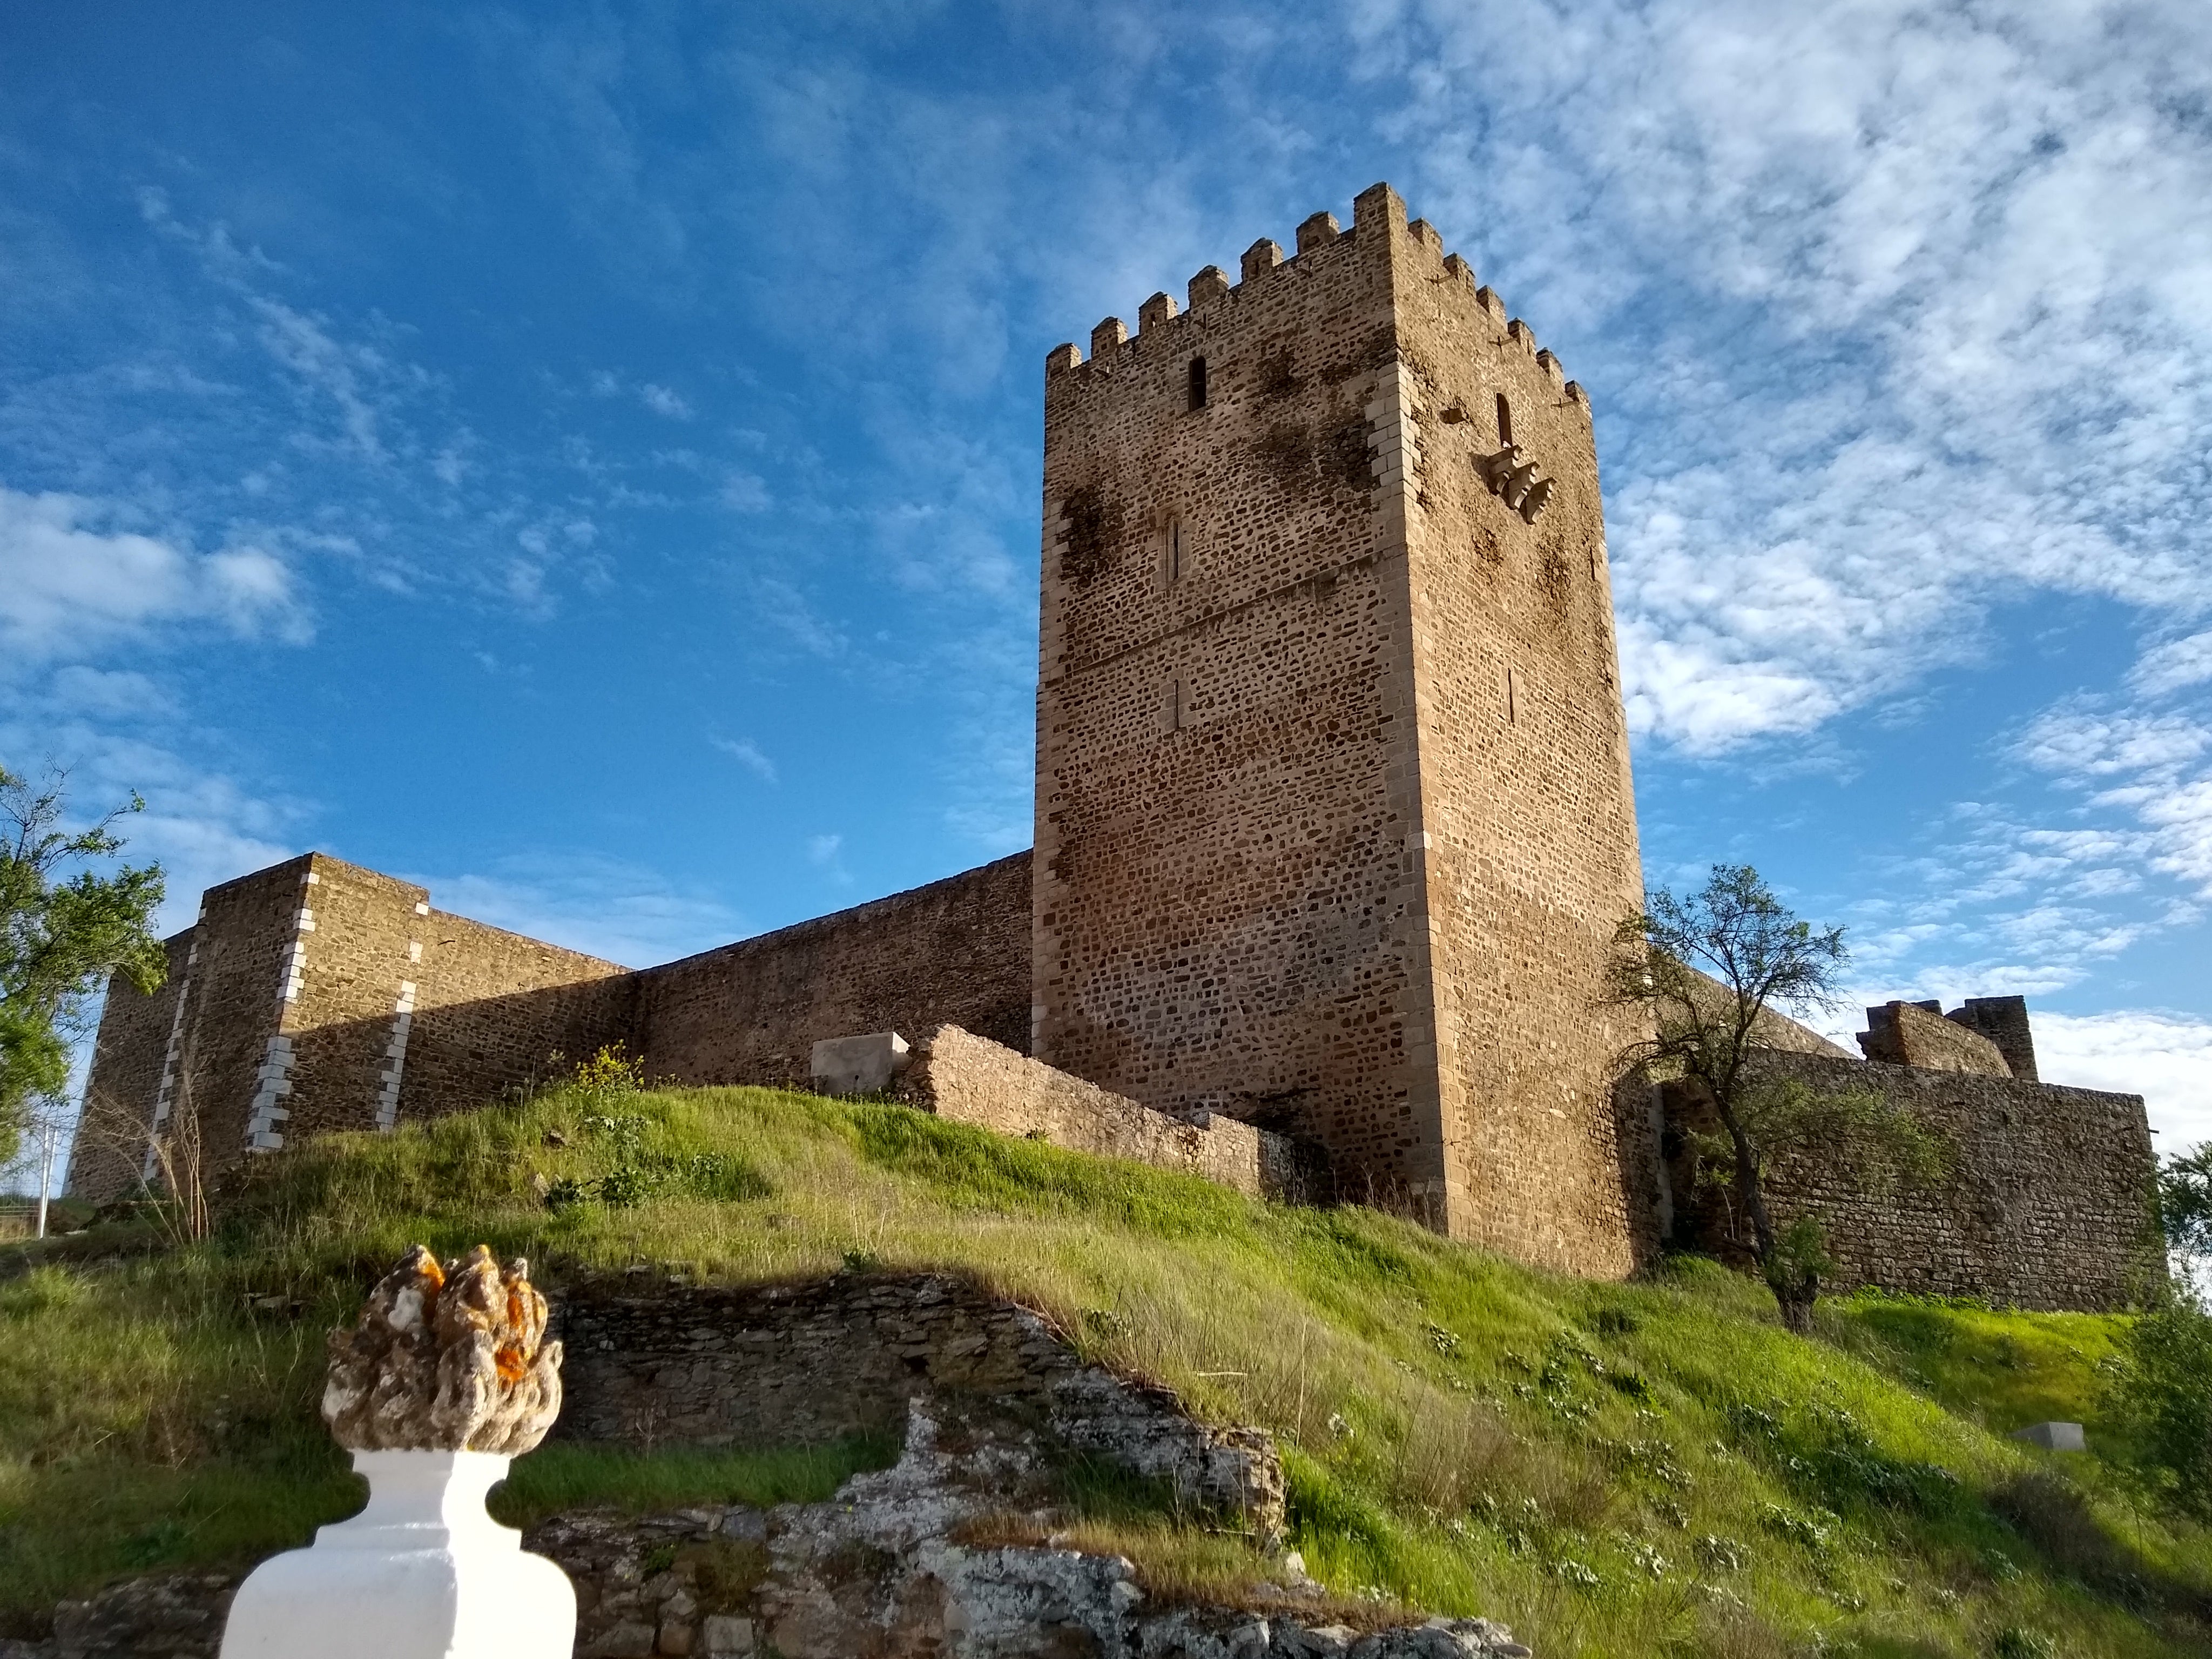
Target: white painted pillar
column 421, row 1573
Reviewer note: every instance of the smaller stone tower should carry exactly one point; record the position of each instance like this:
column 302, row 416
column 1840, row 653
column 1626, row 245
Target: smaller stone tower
column 1333, row 816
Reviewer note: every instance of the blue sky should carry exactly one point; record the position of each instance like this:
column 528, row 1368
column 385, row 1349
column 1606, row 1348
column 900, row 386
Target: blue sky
column 586, row 458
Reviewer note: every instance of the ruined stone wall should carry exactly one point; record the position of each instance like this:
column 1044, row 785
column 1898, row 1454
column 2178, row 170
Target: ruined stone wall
column 1916, row 1034
column 2047, row 1207
column 2003, row 1021
column 1530, row 853
column 800, row 1365
column 1229, row 912
column 971, row 1079
column 768, row 1365
column 127, row 1056
column 954, row 951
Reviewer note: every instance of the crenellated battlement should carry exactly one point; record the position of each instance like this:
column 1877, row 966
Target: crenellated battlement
column 1378, row 218
column 1324, row 612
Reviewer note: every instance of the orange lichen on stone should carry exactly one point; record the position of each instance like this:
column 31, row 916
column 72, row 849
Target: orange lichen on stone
column 450, row 1359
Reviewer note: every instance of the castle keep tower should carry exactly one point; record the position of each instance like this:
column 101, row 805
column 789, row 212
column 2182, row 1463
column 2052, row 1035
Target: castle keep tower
column 1333, row 815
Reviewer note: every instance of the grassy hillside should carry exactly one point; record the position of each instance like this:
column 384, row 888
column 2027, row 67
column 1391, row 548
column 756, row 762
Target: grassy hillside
column 1611, row 1469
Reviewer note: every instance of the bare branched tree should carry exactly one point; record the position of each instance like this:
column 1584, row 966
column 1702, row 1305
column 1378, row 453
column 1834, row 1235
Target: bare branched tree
column 1709, row 968
column 167, row 1162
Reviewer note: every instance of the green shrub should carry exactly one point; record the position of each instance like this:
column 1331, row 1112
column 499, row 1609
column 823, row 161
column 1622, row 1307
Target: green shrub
column 2163, row 1394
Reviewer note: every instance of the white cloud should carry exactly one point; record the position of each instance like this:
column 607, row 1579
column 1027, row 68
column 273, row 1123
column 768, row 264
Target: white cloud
column 2173, row 665
column 69, row 585
column 2081, row 741
column 747, row 754
column 1910, row 308
column 604, row 907
column 2181, row 820
column 2151, row 767
column 201, row 824
column 787, row 608
column 745, row 492
column 306, row 346
column 109, row 694
column 663, row 402
column 2165, row 1058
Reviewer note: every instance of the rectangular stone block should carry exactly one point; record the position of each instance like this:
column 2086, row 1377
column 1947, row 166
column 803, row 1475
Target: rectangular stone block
column 859, row 1065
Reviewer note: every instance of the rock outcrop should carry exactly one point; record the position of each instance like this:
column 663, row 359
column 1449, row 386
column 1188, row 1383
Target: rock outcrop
column 952, row 1553
column 171, row 1615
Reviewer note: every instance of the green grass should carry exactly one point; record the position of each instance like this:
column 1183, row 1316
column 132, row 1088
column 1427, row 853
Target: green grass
column 1655, row 1467
column 561, row 1476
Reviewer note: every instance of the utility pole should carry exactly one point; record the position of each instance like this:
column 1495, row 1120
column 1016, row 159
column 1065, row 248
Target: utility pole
column 49, row 1132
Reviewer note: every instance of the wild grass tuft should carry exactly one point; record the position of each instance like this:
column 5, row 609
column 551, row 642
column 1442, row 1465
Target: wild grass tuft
column 1611, row 1468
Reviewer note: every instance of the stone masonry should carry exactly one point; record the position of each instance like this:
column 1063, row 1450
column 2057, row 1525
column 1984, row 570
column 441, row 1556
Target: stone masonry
column 1335, row 823
column 1333, row 813
column 1917, row 1034
column 2046, row 1206
column 761, row 1366
column 956, row 950
column 318, row 996
column 971, row 1079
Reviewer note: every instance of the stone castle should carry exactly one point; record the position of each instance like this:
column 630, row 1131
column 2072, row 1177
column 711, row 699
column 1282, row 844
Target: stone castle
column 1335, row 823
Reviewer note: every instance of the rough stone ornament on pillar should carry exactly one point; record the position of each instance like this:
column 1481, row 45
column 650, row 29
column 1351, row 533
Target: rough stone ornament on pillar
column 441, row 1384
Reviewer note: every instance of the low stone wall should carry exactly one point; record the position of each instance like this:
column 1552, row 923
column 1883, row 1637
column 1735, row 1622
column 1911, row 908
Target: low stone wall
column 801, row 1364
column 2046, row 1208
column 767, row 1365
column 971, row 1079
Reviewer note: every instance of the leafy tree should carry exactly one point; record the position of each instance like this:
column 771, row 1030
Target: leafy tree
column 62, row 934
column 2184, row 1204
column 1709, row 968
column 2163, row 1395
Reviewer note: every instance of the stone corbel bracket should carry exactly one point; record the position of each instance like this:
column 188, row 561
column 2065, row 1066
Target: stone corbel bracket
column 1514, row 479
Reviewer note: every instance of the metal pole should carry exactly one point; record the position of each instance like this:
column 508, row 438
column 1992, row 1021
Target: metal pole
column 45, row 1172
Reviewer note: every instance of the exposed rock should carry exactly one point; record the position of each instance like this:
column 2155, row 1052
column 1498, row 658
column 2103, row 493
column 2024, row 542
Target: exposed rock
column 879, row 1572
column 448, row 1359
column 177, row 1615
column 1441, row 1638
column 906, row 1561
column 1225, row 1471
